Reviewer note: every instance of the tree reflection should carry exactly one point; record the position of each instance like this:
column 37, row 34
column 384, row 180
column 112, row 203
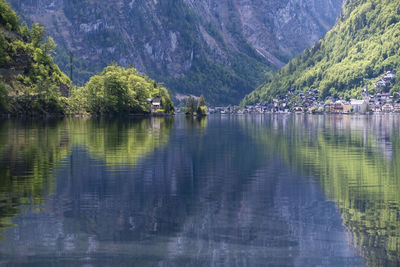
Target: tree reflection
column 30, row 149
column 357, row 161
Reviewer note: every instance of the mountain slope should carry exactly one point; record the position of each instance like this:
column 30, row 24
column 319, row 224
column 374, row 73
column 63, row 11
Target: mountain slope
column 361, row 47
column 221, row 48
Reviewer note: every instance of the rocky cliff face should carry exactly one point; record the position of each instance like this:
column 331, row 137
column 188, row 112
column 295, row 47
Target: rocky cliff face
column 222, row 48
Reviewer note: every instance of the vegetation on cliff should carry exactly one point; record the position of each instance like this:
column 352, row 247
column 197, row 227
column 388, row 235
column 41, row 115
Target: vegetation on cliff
column 31, row 83
column 361, row 47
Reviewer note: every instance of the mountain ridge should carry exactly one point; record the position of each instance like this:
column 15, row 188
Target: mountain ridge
column 223, row 49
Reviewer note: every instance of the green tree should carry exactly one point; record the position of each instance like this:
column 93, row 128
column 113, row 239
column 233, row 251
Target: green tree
column 201, row 101
column 201, row 107
column 37, row 34
column 50, row 46
column 168, row 106
column 190, row 106
column 119, row 90
column 116, row 94
column 26, row 35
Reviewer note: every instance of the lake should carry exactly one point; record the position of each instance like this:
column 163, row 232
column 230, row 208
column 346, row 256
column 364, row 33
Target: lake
column 261, row 190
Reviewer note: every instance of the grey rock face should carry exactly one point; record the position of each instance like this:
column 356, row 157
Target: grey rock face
column 177, row 41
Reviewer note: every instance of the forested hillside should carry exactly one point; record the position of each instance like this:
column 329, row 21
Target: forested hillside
column 363, row 45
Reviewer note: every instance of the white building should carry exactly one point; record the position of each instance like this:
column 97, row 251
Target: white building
column 156, row 104
column 359, row 106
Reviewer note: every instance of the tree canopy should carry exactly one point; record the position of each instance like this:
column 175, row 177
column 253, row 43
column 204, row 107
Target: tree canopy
column 194, row 107
column 118, row 90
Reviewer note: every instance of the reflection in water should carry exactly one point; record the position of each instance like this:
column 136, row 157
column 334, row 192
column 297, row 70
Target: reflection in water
column 357, row 162
column 232, row 191
column 29, row 150
column 119, row 142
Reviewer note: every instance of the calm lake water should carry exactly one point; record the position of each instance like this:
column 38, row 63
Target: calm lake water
column 262, row 190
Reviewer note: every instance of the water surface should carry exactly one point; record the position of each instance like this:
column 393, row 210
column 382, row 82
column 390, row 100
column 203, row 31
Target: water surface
column 286, row 190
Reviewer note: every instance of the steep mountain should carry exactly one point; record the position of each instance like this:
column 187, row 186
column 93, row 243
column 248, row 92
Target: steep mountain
column 221, row 48
column 30, row 82
column 362, row 47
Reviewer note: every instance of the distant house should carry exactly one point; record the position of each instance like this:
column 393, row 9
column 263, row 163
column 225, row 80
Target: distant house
column 346, row 107
column 385, row 96
column 337, row 107
column 397, row 108
column 389, row 76
column 155, row 104
column 359, row 106
column 298, row 109
column 381, row 84
column 387, row 108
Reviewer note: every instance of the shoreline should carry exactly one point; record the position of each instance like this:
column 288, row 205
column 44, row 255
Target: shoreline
column 55, row 116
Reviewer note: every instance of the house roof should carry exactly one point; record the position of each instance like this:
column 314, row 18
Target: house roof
column 357, row 102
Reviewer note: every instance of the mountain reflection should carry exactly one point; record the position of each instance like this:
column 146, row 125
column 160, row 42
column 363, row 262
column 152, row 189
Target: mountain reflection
column 213, row 195
column 356, row 160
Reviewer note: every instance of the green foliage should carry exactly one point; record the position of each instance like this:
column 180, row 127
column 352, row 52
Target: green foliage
column 167, row 103
column 40, row 92
column 190, row 108
column 8, row 18
column 30, row 75
column 222, row 84
column 201, row 102
column 4, row 57
column 26, row 34
column 118, row 90
column 37, row 34
column 3, row 98
column 201, row 107
column 364, row 44
column 201, row 111
column 194, row 107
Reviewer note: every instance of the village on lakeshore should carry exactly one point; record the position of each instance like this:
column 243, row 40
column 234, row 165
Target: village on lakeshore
column 308, row 102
